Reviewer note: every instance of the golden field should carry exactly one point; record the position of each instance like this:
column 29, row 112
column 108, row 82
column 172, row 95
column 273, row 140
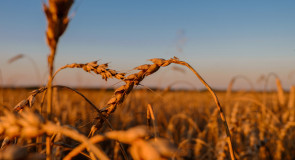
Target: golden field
column 59, row 122
column 187, row 121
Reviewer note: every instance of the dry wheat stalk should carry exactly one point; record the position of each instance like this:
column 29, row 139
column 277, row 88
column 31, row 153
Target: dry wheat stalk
column 30, row 125
column 168, row 88
column 151, row 119
column 94, row 67
column 135, row 137
column 146, row 70
column 81, row 147
column 266, row 80
column 141, row 149
column 52, row 129
column 279, row 142
column 30, row 100
column 280, row 92
column 198, row 142
column 233, row 80
column 135, row 79
column 15, row 58
column 264, row 109
column 192, row 125
column 57, row 21
column 131, row 80
column 154, row 149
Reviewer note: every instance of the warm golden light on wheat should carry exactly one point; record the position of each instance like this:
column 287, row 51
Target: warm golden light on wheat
column 141, row 124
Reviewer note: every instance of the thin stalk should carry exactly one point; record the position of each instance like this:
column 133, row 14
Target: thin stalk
column 146, row 70
column 93, row 106
column 49, row 100
column 151, row 118
column 266, row 84
column 221, row 113
column 48, row 148
column 51, row 128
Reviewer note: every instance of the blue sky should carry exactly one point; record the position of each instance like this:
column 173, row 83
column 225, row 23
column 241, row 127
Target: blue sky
column 220, row 39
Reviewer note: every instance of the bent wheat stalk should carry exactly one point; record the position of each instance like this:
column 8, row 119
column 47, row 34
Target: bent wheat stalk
column 233, row 80
column 31, row 99
column 221, row 113
column 29, row 102
column 146, row 70
column 135, row 79
column 102, row 69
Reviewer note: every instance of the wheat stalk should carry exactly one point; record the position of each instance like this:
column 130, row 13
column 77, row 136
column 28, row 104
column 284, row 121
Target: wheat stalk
column 57, row 21
column 135, row 79
column 279, row 142
column 30, row 125
column 195, row 140
column 265, row 110
column 233, row 80
column 266, row 79
column 192, row 125
column 280, row 92
column 146, row 70
column 134, row 137
column 31, row 100
column 151, row 119
column 102, row 70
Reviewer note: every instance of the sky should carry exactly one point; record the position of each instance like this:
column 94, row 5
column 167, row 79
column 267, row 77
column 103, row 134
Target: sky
column 219, row 38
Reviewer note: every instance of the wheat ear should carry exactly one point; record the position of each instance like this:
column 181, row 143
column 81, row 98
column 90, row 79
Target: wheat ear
column 102, row 69
column 29, row 102
column 148, row 69
column 30, row 125
column 57, row 21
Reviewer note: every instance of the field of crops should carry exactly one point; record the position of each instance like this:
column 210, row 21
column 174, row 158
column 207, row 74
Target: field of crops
column 153, row 124
column 58, row 122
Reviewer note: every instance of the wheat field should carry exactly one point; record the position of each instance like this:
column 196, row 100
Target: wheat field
column 59, row 122
column 186, row 123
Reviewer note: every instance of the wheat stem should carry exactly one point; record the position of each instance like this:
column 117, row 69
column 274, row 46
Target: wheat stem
column 146, row 70
column 221, row 113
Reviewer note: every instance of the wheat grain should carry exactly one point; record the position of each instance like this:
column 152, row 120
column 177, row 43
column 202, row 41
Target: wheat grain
column 94, row 67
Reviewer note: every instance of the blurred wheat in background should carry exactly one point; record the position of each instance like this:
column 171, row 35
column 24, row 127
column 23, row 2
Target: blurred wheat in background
column 130, row 123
